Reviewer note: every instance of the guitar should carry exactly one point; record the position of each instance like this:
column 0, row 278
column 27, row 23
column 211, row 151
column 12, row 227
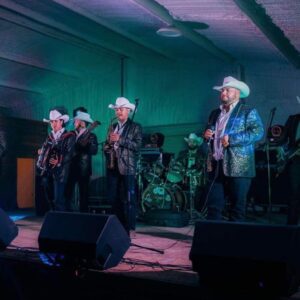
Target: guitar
column 85, row 139
column 285, row 158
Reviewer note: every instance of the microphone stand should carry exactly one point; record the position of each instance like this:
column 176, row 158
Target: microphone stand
column 267, row 149
column 128, row 183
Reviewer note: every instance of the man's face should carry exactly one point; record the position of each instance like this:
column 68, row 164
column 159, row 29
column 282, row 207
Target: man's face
column 122, row 113
column 192, row 144
column 79, row 124
column 229, row 95
column 56, row 125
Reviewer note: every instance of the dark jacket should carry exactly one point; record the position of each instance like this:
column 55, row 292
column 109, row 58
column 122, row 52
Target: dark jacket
column 200, row 158
column 86, row 145
column 2, row 144
column 63, row 148
column 129, row 146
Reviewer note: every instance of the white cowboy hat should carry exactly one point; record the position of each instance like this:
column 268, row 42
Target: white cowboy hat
column 56, row 115
column 232, row 82
column 122, row 102
column 83, row 116
column 194, row 137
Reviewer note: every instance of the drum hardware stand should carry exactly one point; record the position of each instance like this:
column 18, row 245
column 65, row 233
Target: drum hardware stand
column 194, row 214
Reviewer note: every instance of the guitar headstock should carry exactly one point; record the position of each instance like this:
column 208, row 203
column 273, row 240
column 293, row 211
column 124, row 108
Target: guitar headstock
column 94, row 125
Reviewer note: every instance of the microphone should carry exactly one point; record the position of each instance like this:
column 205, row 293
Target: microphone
column 136, row 101
column 211, row 127
column 273, row 109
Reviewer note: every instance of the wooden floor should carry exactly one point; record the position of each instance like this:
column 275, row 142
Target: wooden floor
column 157, row 254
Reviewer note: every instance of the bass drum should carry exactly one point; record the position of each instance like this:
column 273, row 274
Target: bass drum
column 163, row 196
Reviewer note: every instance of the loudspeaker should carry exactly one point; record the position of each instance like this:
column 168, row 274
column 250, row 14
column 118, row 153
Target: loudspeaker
column 244, row 257
column 8, row 230
column 93, row 237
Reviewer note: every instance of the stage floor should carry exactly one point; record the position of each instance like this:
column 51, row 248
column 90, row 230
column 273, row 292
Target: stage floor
column 158, row 255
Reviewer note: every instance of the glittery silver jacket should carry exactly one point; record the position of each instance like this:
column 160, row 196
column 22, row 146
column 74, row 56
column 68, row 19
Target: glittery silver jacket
column 244, row 129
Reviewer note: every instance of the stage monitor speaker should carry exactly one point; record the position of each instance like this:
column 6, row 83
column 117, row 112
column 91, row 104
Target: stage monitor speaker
column 8, row 230
column 92, row 237
column 244, row 257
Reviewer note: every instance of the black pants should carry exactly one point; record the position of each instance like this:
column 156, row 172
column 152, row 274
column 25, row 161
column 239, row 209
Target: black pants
column 83, row 185
column 293, row 173
column 223, row 188
column 122, row 196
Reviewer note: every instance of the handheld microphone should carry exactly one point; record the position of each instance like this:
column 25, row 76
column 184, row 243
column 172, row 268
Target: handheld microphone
column 211, row 127
column 273, row 109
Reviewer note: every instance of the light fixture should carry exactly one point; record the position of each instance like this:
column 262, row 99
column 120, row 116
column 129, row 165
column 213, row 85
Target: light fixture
column 169, row 31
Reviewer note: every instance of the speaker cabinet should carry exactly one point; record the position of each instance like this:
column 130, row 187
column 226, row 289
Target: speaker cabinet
column 8, row 230
column 92, row 237
column 247, row 258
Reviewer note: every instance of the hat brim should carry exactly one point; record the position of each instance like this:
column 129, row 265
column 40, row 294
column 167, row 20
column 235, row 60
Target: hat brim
column 65, row 118
column 88, row 120
column 241, row 86
column 128, row 105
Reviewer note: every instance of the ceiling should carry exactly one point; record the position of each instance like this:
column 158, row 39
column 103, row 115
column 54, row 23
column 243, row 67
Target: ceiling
column 49, row 43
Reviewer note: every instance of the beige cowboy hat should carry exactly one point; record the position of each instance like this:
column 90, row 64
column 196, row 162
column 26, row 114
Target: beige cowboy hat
column 122, row 102
column 194, row 137
column 237, row 84
column 83, row 116
column 58, row 114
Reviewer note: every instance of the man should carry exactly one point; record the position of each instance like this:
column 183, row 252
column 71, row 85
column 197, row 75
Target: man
column 190, row 164
column 121, row 148
column 56, row 154
column 292, row 158
column 2, row 144
column 81, row 165
column 232, row 131
column 2, row 147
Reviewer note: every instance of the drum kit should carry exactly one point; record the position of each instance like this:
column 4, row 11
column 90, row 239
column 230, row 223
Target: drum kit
column 169, row 188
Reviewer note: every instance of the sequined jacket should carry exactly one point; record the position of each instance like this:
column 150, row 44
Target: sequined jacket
column 244, row 129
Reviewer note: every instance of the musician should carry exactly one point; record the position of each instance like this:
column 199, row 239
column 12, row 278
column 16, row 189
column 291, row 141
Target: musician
column 121, row 149
column 191, row 162
column 86, row 146
column 293, row 169
column 232, row 131
column 2, row 146
column 56, row 153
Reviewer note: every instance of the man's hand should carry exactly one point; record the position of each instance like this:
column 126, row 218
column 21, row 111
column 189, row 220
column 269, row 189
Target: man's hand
column 53, row 161
column 225, row 141
column 208, row 134
column 114, row 137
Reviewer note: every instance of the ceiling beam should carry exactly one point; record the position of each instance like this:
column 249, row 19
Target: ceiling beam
column 105, row 41
column 199, row 39
column 263, row 21
column 36, row 65
column 79, row 10
column 19, row 88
